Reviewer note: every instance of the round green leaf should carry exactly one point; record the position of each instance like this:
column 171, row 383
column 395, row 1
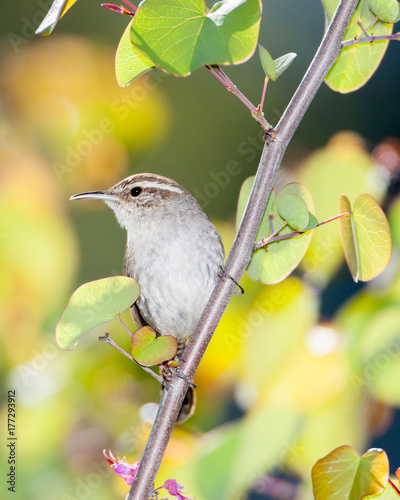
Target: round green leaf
column 94, row 304
column 366, row 237
column 129, row 64
column 294, row 211
column 343, row 166
column 179, row 36
column 343, row 475
column 358, row 62
column 386, row 10
column 149, row 350
column 283, row 256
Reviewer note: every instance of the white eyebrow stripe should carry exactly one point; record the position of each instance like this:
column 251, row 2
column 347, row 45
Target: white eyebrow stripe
column 158, row 185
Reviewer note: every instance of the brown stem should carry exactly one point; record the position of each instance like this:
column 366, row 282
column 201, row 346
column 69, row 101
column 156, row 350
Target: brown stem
column 271, row 238
column 241, row 251
column 106, row 338
column 275, row 237
column 370, row 39
column 124, row 326
column 231, row 87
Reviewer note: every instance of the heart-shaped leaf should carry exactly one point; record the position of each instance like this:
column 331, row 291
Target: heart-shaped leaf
column 57, row 10
column 179, row 36
column 386, row 10
column 294, row 211
column 129, row 64
column 358, row 62
column 149, row 350
column 366, row 237
column 94, row 304
column 343, row 475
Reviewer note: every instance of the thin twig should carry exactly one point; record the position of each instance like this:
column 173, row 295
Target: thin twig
column 106, row 338
column 241, row 251
column 129, row 4
column 365, row 30
column 124, row 326
column 344, row 214
column 370, row 39
column 265, row 241
column 261, row 105
column 274, row 236
column 213, row 72
column 231, row 87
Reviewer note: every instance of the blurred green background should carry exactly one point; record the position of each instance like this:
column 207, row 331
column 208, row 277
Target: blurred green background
column 299, row 367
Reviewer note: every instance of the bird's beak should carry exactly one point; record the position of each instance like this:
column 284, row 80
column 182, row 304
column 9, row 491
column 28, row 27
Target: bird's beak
column 96, row 195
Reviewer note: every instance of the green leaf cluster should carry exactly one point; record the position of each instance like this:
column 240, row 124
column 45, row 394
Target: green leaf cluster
column 358, row 62
column 291, row 210
column 274, row 68
column 179, row 36
column 364, row 231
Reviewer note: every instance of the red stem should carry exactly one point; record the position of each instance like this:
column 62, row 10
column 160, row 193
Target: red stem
column 261, row 105
column 344, row 214
column 133, row 7
column 275, row 237
column 396, row 489
column 231, row 87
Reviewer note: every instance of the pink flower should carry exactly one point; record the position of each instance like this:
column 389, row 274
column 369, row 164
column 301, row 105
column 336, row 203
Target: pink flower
column 122, row 468
column 128, row 473
column 174, row 489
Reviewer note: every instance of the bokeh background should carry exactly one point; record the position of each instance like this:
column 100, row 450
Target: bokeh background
column 307, row 365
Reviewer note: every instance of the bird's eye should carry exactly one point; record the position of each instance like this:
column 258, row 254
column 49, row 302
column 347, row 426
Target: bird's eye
column 136, row 191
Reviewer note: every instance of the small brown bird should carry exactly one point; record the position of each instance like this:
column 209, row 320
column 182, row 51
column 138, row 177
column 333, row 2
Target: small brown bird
column 173, row 250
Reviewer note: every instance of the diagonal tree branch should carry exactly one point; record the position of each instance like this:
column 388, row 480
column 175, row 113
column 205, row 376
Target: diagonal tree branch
column 240, row 254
